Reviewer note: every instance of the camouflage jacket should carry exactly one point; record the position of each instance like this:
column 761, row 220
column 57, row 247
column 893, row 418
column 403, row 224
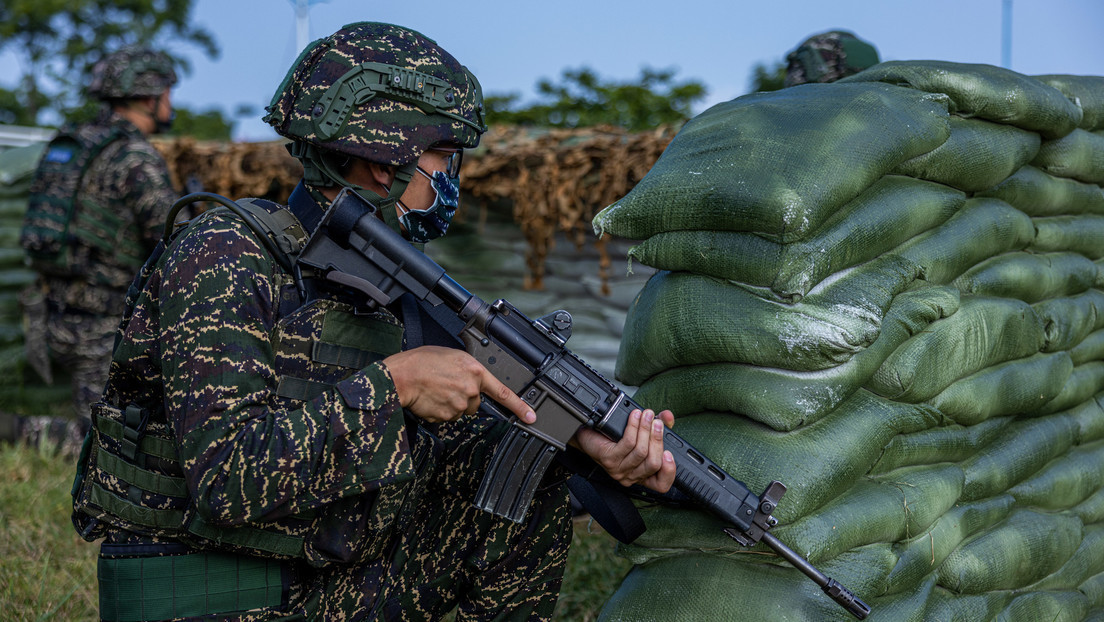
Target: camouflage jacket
column 124, row 198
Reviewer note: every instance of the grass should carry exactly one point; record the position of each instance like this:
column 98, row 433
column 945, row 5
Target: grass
column 48, row 573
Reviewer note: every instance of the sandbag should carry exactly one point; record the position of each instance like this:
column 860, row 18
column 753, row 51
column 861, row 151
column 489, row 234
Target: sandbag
column 946, row 605
column 946, row 443
column 983, row 228
column 1019, row 451
column 1013, row 388
column 1091, row 348
column 886, row 215
column 778, row 163
column 1093, row 589
column 984, row 332
column 680, row 318
column 1087, row 562
column 1079, row 234
column 1036, row 193
column 1068, row 480
column 1079, row 155
column 923, row 552
column 984, row 91
column 1086, row 91
column 978, row 155
column 1067, row 606
column 1026, row 547
column 1068, row 321
column 1030, row 277
column 1088, row 417
column 786, row 400
column 885, row 509
column 1085, row 381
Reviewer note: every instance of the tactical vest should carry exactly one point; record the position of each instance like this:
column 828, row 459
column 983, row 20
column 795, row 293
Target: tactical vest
column 48, row 235
column 129, row 474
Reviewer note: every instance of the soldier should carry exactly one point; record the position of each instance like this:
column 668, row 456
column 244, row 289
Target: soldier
column 827, row 57
column 97, row 205
column 269, row 447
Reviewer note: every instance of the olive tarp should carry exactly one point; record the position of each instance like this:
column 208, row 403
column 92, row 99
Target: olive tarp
column 913, row 345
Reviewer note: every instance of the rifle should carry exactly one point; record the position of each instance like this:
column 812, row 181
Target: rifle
column 354, row 248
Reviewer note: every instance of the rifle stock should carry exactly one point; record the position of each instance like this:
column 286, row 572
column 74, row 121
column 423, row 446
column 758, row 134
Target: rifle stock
column 355, row 248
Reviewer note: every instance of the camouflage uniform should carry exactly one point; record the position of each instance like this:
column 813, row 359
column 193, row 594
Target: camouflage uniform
column 288, row 445
column 122, row 200
column 827, row 57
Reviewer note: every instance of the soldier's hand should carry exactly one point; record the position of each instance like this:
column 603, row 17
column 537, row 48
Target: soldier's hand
column 639, row 457
column 443, row 384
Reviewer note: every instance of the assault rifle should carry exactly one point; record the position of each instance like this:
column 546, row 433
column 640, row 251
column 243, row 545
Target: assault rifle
column 354, row 248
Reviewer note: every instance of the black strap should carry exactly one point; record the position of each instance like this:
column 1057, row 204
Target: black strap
column 607, row 501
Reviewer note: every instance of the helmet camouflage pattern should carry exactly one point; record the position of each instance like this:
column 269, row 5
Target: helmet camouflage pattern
column 132, row 72
column 829, row 56
column 378, row 92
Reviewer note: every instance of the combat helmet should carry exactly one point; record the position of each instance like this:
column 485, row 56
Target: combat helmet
column 132, row 72
column 829, row 56
column 378, row 92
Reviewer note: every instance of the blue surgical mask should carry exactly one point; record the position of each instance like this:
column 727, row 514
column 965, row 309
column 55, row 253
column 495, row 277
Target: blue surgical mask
column 431, row 223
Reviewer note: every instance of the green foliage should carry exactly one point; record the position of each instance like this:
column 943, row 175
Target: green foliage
column 582, row 99
column 46, row 571
column 59, row 40
column 766, row 78
column 209, row 125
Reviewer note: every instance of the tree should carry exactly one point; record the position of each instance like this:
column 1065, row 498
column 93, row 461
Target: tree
column 582, row 99
column 59, row 41
column 208, row 125
column 766, row 78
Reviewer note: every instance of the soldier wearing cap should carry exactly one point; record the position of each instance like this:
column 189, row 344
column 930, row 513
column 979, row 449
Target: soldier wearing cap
column 97, row 202
column 269, row 447
column 827, row 57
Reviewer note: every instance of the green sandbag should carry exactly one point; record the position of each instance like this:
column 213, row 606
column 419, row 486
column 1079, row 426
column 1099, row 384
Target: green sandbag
column 683, row 588
column 887, row 214
column 1087, row 91
column 1029, row 277
column 1091, row 348
column 946, row 443
column 895, row 507
column 1080, row 234
column 1093, row 589
column 1086, row 563
column 984, row 91
column 1086, row 381
column 1013, row 388
column 778, row 163
column 1068, row 606
column 978, row 155
column 19, row 163
column 680, row 318
column 1080, row 156
column 946, row 605
column 785, row 400
column 1036, row 193
column 1090, row 510
column 1019, row 451
column 983, row 228
column 1066, row 481
column 1023, row 549
column 1088, row 417
column 922, row 553
column 1070, row 320
column 984, row 332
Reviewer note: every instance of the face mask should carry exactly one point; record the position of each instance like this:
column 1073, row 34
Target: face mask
column 163, row 127
column 431, row 223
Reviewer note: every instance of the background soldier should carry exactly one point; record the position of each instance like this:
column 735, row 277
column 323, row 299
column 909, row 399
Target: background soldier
column 829, row 56
column 97, row 208
column 316, row 455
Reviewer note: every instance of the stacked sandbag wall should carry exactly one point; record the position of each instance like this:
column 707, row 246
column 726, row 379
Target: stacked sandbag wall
column 885, row 292
column 21, row 389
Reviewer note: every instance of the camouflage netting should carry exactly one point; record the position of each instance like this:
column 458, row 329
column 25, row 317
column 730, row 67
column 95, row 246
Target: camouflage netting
column 885, row 292
column 551, row 181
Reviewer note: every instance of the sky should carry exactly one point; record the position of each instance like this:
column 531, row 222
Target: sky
column 510, row 46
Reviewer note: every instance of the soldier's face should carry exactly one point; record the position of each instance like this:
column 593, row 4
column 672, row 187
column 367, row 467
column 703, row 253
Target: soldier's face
column 163, row 110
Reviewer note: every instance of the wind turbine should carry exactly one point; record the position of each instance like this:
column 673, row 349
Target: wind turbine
column 302, row 22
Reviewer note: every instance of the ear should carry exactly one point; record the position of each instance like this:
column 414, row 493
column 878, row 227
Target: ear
column 382, row 174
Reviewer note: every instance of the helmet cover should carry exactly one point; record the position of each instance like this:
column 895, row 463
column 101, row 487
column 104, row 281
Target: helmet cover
column 379, row 92
column 829, row 56
column 132, row 72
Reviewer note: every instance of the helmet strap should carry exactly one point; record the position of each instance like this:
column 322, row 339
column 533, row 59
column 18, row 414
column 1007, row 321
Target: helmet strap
column 403, row 176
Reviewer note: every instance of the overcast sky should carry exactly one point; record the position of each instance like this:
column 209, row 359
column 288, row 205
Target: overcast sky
column 511, row 45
